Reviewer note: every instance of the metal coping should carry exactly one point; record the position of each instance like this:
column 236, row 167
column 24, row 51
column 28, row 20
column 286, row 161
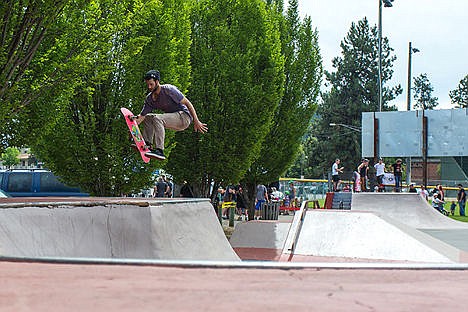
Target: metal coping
column 205, row 264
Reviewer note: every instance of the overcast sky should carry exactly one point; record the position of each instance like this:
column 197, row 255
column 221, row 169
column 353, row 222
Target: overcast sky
column 438, row 28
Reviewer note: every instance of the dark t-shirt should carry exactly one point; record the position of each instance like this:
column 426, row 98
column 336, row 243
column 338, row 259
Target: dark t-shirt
column 461, row 195
column 397, row 169
column 168, row 101
column 363, row 171
column 161, row 188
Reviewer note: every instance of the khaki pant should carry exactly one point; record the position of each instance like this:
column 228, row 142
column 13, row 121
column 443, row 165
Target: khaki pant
column 154, row 126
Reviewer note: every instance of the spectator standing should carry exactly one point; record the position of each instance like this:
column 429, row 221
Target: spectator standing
column 336, row 170
column 397, row 173
column 161, row 187
column 286, row 201
column 170, row 187
column 262, row 197
column 292, row 195
column 461, row 198
column 186, row 190
column 362, row 169
column 441, row 197
column 218, row 200
column 380, row 171
column 241, row 203
column 229, row 196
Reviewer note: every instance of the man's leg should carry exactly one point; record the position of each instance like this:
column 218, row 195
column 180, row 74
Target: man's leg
column 397, row 183
column 154, row 126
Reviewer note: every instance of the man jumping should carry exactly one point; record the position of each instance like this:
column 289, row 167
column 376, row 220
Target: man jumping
column 178, row 114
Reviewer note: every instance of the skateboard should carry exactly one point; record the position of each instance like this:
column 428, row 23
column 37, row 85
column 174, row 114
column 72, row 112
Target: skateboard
column 136, row 134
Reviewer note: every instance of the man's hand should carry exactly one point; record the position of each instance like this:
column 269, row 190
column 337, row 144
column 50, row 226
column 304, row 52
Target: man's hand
column 198, row 126
column 138, row 118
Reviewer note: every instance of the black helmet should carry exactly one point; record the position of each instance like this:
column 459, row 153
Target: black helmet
column 152, row 74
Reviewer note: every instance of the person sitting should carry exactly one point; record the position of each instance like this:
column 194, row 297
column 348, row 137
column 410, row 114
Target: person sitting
column 412, row 189
column 437, row 203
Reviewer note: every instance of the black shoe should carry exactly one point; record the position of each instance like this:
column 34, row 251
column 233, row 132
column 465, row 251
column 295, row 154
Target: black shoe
column 157, row 153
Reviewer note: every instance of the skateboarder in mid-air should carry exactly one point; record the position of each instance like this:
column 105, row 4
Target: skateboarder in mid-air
column 178, row 113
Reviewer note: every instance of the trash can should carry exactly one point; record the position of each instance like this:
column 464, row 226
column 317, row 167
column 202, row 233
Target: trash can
column 270, row 211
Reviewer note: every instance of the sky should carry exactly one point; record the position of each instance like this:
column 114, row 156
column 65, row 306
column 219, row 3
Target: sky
column 438, row 28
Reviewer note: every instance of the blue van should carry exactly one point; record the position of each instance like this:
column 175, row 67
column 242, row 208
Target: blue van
column 34, row 183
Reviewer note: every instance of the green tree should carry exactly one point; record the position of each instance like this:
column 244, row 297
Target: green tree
column 23, row 27
column 459, row 96
column 423, row 93
column 10, row 157
column 28, row 69
column 87, row 142
column 353, row 89
column 237, row 71
column 303, row 71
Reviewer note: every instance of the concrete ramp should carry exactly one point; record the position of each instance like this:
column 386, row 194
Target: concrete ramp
column 407, row 208
column 259, row 240
column 114, row 228
column 366, row 235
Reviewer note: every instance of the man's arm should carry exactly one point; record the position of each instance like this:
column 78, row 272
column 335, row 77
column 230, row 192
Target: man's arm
column 197, row 124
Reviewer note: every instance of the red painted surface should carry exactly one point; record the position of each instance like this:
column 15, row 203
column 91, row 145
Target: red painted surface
column 265, row 254
column 61, row 287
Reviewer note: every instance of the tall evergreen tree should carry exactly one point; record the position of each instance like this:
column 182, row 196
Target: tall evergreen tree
column 353, row 89
column 303, row 70
column 459, row 96
column 423, row 93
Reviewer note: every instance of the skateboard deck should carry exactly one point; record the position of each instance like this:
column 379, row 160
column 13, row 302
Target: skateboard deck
column 136, row 134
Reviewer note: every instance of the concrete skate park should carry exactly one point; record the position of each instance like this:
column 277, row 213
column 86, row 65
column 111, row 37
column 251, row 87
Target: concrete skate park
column 390, row 251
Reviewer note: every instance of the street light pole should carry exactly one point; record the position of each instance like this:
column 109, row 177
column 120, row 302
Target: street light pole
column 411, row 50
column 387, row 4
column 380, row 55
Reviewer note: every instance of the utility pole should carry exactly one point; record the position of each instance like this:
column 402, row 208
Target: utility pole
column 411, row 50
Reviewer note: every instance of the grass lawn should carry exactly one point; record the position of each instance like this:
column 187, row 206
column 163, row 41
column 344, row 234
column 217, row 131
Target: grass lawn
column 457, row 213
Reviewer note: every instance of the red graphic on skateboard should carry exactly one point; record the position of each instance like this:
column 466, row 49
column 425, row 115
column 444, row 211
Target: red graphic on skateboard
column 136, row 134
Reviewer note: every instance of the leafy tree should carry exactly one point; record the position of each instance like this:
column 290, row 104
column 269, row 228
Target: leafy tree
column 22, row 29
column 87, row 141
column 26, row 73
column 303, row 71
column 353, row 89
column 237, row 71
column 10, row 157
column 423, row 93
column 459, row 96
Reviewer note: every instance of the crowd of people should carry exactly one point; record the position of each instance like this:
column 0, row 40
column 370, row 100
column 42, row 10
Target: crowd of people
column 361, row 184
column 163, row 187
column 236, row 195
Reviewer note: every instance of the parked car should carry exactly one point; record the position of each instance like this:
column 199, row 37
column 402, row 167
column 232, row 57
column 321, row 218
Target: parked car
column 3, row 194
column 33, row 183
